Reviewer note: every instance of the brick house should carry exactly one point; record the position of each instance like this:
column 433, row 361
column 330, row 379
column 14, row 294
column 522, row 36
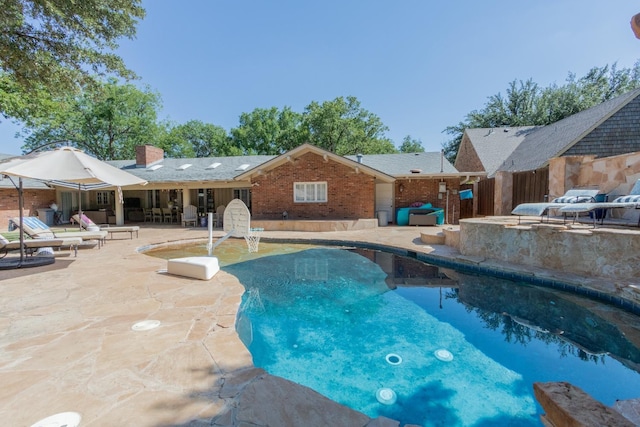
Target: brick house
column 307, row 182
column 358, row 186
column 310, row 183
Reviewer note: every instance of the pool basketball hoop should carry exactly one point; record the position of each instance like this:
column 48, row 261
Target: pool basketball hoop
column 253, row 238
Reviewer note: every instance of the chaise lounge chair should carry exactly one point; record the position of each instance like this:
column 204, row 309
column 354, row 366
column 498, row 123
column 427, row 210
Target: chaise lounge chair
column 623, row 202
column 575, row 195
column 87, row 224
column 37, row 229
column 33, row 245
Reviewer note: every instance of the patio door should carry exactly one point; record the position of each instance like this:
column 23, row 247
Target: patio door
column 66, row 204
column 384, row 200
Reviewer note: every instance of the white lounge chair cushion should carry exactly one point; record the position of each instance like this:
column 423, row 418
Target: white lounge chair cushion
column 628, row 199
column 197, row 267
column 573, row 199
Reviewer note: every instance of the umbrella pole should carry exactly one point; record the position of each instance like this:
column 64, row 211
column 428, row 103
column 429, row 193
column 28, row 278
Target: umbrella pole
column 21, row 211
column 79, row 208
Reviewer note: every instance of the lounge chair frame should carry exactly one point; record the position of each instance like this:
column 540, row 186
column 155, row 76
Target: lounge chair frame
column 573, row 196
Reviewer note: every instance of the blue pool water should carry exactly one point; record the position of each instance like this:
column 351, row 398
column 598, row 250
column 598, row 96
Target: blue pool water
column 330, row 318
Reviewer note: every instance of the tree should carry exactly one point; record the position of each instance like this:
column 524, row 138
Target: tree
column 107, row 121
column 198, row 139
column 526, row 104
column 14, row 103
column 268, row 131
column 60, row 45
column 410, row 145
column 343, row 127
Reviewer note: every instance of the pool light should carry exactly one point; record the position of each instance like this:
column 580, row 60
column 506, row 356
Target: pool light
column 386, row 396
column 393, row 359
column 443, row 355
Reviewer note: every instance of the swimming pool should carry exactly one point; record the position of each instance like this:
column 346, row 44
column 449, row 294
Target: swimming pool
column 352, row 323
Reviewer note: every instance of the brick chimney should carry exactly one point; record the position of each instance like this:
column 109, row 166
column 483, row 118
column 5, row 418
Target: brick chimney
column 147, row 155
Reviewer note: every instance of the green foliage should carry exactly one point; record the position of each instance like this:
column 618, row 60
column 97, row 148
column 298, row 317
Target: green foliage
column 107, row 121
column 268, row 131
column 59, row 46
column 16, row 104
column 343, row 127
column 410, row 145
column 526, row 104
column 198, row 139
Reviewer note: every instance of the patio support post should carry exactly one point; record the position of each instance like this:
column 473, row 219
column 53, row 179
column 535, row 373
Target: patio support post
column 186, row 197
column 119, row 211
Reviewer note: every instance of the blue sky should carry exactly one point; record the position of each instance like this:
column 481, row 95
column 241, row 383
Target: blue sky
column 418, row 65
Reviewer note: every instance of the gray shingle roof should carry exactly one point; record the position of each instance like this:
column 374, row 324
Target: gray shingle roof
column 554, row 139
column 201, row 168
column 402, row 164
column 494, row 145
column 31, row 184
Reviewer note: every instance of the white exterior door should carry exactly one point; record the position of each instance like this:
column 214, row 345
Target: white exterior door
column 384, row 200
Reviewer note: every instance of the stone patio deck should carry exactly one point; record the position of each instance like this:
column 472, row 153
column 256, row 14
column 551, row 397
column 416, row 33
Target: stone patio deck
column 67, row 342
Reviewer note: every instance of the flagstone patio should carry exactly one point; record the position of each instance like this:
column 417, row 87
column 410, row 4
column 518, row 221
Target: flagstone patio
column 67, row 341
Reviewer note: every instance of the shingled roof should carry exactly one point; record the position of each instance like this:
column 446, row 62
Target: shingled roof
column 405, row 164
column 196, row 170
column 210, row 169
column 555, row 139
column 32, row 184
column 494, row 145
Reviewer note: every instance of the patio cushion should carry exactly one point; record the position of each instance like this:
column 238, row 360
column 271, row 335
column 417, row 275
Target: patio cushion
column 573, row 199
column 628, row 199
column 197, row 267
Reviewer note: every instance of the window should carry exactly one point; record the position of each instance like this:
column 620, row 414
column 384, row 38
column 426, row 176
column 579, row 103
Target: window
column 244, row 195
column 102, row 197
column 309, row 192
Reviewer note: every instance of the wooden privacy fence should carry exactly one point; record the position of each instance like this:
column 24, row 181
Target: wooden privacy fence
column 530, row 187
column 466, row 205
column 486, row 189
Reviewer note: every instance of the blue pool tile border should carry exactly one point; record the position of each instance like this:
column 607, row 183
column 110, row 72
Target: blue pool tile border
column 465, row 267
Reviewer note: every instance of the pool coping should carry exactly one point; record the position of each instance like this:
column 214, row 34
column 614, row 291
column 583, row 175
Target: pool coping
column 548, row 278
column 481, row 266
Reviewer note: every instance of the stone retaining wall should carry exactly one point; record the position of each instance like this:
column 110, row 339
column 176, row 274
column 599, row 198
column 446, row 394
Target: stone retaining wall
column 601, row 252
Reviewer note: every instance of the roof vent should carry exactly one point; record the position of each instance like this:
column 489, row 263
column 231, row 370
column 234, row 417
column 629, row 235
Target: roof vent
column 416, row 170
column 154, row 167
column 185, row 166
column 214, row 165
column 506, row 129
column 243, row 167
column 359, row 157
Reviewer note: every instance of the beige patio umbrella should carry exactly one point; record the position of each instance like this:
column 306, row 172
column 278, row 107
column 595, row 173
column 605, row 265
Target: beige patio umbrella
column 67, row 167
